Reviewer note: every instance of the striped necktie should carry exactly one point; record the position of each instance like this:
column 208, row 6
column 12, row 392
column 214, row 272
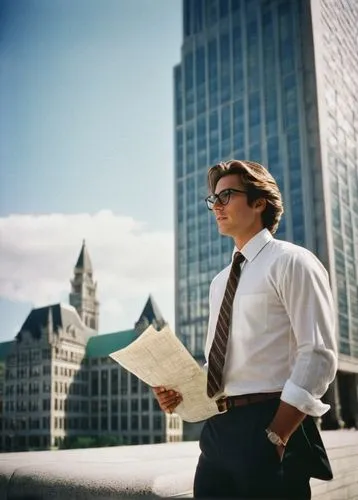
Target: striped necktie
column 218, row 348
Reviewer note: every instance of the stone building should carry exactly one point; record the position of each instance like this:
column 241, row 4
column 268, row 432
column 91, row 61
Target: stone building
column 58, row 383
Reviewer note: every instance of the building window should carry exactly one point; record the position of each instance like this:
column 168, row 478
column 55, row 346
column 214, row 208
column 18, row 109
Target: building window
column 134, row 422
column 156, row 406
column 124, row 406
column 84, row 406
column 114, row 423
column 124, row 423
column 114, row 406
column 134, row 384
column 114, row 381
column 94, row 383
column 104, row 424
column 145, row 422
column 157, row 422
column 124, row 382
column 104, row 382
column 94, row 423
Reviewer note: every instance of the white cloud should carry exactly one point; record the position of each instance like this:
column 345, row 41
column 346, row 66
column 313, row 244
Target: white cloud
column 38, row 254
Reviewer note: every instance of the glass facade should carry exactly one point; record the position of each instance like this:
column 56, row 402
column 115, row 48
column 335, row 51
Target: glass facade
column 339, row 83
column 246, row 87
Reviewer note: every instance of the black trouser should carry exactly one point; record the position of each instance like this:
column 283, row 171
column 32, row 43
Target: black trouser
column 237, row 460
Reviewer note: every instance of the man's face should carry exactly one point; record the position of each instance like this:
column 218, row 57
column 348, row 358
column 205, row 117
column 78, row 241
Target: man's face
column 236, row 218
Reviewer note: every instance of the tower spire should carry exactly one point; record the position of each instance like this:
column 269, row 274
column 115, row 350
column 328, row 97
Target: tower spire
column 84, row 261
column 83, row 290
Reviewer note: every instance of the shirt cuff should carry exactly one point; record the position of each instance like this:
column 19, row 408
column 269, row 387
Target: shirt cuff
column 303, row 400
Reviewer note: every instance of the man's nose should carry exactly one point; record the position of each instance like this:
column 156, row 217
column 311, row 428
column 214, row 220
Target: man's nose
column 217, row 205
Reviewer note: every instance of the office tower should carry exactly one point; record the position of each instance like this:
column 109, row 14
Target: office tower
column 274, row 81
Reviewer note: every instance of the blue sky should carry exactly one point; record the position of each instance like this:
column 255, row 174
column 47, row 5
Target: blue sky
column 86, row 151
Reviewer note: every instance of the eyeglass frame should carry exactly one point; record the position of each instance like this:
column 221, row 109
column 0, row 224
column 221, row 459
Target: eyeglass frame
column 216, row 197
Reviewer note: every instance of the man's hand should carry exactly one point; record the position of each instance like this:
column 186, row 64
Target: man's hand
column 168, row 399
column 286, row 420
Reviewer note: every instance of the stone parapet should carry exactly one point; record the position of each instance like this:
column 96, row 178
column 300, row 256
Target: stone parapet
column 159, row 470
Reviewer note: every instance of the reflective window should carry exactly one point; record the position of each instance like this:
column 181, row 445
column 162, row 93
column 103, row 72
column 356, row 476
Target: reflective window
column 200, row 79
column 289, row 102
column 213, row 73
column 286, row 33
column 238, row 74
column 268, row 48
column 223, row 8
column 190, row 148
column 178, row 95
column 238, row 124
column 201, row 141
column 189, row 86
column 225, row 131
column 214, row 137
column 253, row 75
column 254, row 118
column 179, row 152
column 225, row 67
column 211, row 14
column 198, row 15
column 187, row 17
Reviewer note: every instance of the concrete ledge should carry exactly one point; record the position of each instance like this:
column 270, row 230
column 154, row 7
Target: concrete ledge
column 162, row 470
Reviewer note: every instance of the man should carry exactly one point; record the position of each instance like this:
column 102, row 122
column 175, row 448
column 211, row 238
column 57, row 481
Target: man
column 270, row 349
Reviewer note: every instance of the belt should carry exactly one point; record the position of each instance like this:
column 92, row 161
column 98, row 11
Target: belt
column 228, row 402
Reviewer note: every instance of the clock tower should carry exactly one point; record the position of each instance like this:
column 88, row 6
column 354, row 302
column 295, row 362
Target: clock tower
column 83, row 290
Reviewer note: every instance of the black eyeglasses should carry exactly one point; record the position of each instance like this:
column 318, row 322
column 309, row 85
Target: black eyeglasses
column 223, row 197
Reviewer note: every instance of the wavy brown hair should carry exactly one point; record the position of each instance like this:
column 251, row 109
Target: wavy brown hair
column 258, row 182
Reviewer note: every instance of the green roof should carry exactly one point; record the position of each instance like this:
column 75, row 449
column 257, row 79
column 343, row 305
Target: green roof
column 102, row 345
column 5, row 348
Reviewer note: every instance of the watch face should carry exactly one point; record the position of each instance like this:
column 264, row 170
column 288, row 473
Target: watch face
column 274, row 438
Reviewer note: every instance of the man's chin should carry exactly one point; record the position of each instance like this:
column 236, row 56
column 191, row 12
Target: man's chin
column 224, row 231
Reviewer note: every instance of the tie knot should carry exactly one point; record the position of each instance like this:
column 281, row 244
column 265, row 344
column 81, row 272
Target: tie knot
column 237, row 260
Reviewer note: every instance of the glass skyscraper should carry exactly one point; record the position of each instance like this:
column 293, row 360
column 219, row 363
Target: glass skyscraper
column 273, row 81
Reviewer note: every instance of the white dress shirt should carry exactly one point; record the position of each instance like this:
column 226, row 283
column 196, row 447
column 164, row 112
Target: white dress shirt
column 282, row 335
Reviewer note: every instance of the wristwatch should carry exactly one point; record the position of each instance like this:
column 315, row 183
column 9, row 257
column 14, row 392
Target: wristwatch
column 274, row 438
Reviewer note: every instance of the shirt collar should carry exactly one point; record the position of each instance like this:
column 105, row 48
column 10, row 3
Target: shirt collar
column 255, row 245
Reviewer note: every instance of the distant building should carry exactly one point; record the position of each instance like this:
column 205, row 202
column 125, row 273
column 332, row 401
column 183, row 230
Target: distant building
column 273, row 81
column 57, row 381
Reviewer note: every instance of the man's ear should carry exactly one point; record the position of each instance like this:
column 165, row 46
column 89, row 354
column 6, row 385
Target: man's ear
column 260, row 203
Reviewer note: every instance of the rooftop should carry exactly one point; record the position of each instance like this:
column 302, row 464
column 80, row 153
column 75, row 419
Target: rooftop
column 58, row 315
column 100, row 346
column 5, row 348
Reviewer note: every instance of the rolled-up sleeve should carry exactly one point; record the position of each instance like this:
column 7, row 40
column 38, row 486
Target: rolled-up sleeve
column 307, row 297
